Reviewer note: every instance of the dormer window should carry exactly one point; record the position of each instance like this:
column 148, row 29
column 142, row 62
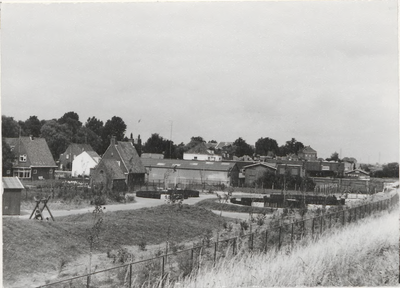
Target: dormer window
column 67, row 156
column 22, row 158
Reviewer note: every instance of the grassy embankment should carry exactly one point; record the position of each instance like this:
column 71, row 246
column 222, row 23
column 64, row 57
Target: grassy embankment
column 361, row 254
column 32, row 247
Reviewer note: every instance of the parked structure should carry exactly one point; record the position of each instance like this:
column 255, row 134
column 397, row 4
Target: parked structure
column 121, row 156
column 175, row 172
column 357, row 173
column 73, row 150
column 201, row 152
column 12, row 188
column 108, row 174
column 255, row 171
column 33, row 158
column 85, row 161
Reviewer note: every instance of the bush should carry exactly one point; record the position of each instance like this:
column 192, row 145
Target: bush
column 244, row 225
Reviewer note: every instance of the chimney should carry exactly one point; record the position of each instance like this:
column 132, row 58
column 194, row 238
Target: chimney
column 139, row 146
column 112, row 140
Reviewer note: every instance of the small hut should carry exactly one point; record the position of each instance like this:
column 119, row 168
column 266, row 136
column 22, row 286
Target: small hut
column 12, row 188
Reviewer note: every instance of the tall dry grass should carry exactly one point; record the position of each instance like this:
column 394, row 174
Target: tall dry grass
column 361, row 254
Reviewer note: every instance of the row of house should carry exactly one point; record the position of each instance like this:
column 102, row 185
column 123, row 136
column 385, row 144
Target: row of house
column 121, row 168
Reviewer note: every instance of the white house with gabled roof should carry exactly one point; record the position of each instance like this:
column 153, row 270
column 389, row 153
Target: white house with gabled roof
column 82, row 163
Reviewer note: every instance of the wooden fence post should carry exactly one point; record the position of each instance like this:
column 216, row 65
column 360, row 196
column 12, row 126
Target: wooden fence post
column 292, row 234
column 279, row 242
column 130, row 275
column 266, row 240
column 88, row 281
column 312, row 227
column 320, row 228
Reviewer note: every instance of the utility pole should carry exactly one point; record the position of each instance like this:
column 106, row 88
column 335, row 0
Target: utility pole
column 170, row 142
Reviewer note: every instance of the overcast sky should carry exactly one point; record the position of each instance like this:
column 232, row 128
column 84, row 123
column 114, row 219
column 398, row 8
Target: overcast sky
column 323, row 72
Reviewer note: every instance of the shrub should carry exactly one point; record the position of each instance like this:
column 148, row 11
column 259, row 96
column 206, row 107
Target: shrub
column 244, row 225
column 142, row 245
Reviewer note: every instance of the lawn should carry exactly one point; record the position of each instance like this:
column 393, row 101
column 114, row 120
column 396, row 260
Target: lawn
column 33, row 247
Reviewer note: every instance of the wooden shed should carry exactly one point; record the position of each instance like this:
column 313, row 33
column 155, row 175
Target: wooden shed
column 12, row 189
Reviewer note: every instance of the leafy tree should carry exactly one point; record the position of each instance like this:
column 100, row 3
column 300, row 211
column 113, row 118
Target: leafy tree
column 71, row 119
column 113, row 127
column 9, row 127
column 266, row 146
column 334, row 157
column 291, row 147
column 86, row 136
column 58, row 137
column 155, row 144
column 179, row 150
column 31, row 126
column 8, row 157
column 213, row 141
column 95, row 125
column 391, row 170
column 241, row 148
column 194, row 141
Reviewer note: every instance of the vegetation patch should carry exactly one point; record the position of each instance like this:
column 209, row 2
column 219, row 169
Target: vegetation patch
column 214, row 204
column 40, row 246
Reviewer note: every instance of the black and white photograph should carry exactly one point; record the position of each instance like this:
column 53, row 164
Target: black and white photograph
column 191, row 144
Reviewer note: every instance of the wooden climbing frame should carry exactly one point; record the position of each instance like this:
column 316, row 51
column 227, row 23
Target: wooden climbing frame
column 39, row 211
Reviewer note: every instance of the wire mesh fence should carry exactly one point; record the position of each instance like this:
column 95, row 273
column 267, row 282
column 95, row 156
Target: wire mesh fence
column 177, row 264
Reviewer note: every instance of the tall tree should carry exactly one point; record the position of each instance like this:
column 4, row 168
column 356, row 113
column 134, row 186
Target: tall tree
column 241, row 148
column 334, row 157
column 266, row 146
column 194, row 141
column 291, row 147
column 71, row 119
column 58, row 137
column 32, row 126
column 87, row 136
column 8, row 157
column 113, row 127
column 9, row 127
column 95, row 125
column 155, row 144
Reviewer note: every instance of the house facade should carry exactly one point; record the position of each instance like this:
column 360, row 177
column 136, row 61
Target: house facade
column 201, row 152
column 33, row 158
column 255, row 171
column 73, row 150
column 185, row 172
column 85, row 161
column 128, row 160
column 109, row 176
column 307, row 153
column 357, row 173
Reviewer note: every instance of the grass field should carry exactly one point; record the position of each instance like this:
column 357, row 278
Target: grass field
column 362, row 254
column 35, row 247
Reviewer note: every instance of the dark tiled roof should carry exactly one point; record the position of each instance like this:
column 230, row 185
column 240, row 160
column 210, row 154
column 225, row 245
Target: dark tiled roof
column 93, row 154
column 130, row 157
column 12, row 183
column 37, row 151
column 308, row 149
column 189, row 164
column 200, row 148
column 77, row 149
column 112, row 168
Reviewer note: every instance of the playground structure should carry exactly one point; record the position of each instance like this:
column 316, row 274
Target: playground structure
column 39, row 211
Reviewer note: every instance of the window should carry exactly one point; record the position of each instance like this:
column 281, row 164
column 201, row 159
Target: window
column 34, row 171
column 8, row 172
column 294, row 171
column 22, row 173
column 51, row 171
column 22, row 158
column 195, row 158
column 67, row 156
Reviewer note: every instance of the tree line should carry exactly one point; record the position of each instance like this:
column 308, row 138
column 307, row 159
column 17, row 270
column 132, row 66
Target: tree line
column 59, row 133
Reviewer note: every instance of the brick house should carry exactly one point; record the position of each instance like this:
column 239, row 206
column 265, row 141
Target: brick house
column 33, row 159
column 125, row 156
column 307, row 153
